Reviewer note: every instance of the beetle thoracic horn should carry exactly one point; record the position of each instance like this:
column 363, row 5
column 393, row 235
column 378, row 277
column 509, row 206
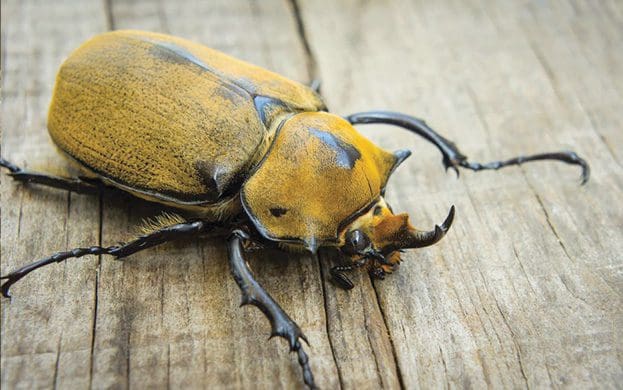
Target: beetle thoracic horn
column 421, row 239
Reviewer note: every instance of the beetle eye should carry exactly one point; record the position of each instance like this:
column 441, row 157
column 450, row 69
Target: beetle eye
column 357, row 241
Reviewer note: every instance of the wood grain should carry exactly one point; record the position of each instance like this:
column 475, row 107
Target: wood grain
column 525, row 291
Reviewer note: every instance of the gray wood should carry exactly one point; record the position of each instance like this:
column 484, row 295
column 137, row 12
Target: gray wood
column 525, row 291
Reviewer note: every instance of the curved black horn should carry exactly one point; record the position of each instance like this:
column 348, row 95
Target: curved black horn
column 421, row 239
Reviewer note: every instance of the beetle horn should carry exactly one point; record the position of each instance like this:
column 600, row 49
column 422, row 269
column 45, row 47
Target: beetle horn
column 420, row 239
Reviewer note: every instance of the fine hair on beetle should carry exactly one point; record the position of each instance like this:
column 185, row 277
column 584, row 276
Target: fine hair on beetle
column 238, row 149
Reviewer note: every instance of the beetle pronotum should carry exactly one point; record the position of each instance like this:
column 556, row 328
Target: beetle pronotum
column 234, row 145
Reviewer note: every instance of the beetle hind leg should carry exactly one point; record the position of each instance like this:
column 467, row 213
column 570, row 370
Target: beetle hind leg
column 452, row 156
column 158, row 237
column 254, row 294
column 78, row 185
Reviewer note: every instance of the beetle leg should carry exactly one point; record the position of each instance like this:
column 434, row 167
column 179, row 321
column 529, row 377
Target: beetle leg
column 169, row 233
column 338, row 273
column 254, row 294
column 338, row 276
column 452, row 156
column 377, row 273
column 76, row 185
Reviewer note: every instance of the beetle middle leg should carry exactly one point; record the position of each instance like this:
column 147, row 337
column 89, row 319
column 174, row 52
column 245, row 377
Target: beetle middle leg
column 77, row 185
column 170, row 233
column 452, row 156
column 254, row 294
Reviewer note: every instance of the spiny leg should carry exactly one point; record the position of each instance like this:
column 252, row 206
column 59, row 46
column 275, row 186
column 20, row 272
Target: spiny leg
column 338, row 273
column 77, row 185
column 254, row 294
column 169, row 233
column 452, row 156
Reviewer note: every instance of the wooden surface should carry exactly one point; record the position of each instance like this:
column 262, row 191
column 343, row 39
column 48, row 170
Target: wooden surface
column 525, row 291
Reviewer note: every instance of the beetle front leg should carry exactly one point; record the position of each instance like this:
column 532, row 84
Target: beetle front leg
column 452, row 156
column 254, row 294
column 76, row 185
column 338, row 273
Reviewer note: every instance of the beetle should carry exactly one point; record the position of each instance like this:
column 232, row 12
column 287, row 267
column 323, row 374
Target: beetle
column 234, row 146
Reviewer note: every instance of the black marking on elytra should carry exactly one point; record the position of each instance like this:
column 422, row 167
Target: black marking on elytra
column 278, row 211
column 347, row 155
column 170, row 52
column 230, row 89
column 232, row 93
column 265, row 106
column 213, row 177
column 175, row 54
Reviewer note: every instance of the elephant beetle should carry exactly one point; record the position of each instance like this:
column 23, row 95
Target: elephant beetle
column 230, row 144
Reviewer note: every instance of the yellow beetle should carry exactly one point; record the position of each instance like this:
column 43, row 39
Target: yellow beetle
column 233, row 145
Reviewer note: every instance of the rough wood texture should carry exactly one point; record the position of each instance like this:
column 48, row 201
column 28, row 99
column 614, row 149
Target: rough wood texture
column 525, row 291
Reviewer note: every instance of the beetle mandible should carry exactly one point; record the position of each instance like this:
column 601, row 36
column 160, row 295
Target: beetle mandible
column 232, row 145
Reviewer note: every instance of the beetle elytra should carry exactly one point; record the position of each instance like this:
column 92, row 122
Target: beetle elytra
column 230, row 144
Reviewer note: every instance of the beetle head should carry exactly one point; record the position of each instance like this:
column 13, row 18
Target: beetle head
column 378, row 236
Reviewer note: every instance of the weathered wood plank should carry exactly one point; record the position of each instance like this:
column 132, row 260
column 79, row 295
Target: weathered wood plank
column 525, row 291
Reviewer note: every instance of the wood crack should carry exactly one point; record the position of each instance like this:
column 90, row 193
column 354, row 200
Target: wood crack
column 560, row 241
column 58, row 358
column 391, row 340
column 602, row 137
column 549, row 376
column 515, row 342
column 98, row 268
column 162, row 18
column 168, row 366
column 20, row 215
column 571, row 292
column 523, row 270
column 445, row 367
column 127, row 351
column 310, row 60
column 110, row 21
column 371, row 344
column 551, row 77
column 323, row 283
